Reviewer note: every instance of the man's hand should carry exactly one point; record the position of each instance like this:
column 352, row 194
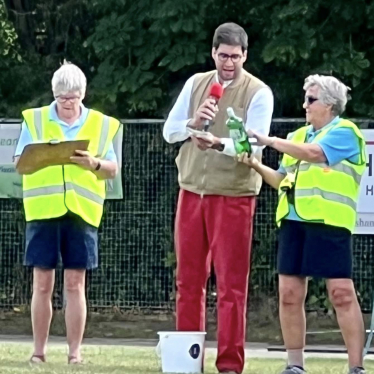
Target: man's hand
column 251, row 160
column 261, row 139
column 206, row 111
column 204, row 143
column 85, row 160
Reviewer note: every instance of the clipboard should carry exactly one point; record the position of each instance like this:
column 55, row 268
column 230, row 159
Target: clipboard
column 37, row 156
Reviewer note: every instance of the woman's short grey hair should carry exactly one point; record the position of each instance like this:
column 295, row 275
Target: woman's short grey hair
column 68, row 78
column 332, row 91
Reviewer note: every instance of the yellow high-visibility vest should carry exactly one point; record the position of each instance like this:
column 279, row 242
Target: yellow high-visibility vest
column 322, row 193
column 53, row 191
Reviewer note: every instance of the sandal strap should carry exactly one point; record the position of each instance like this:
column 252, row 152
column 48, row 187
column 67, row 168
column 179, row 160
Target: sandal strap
column 74, row 360
column 37, row 359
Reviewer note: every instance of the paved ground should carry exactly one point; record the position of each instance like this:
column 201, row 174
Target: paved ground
column 259, row 350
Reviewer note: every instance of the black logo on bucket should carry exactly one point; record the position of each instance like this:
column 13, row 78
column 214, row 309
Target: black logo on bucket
column 194, row 351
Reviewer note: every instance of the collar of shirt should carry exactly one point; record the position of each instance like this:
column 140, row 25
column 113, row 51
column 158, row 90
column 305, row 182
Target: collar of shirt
column 79, row 122
column 225, row 83
column 311, row 133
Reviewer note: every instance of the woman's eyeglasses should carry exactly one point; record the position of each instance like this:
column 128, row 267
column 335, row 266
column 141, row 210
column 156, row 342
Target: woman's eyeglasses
column 64, row 99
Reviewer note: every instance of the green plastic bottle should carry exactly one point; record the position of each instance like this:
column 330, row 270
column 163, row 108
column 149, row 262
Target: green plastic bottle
column 238, row 133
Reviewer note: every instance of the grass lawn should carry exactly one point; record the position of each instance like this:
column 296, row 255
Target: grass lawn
column 123, row 360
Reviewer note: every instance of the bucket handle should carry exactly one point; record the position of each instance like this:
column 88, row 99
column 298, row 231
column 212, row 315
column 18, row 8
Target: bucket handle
column 158, row 347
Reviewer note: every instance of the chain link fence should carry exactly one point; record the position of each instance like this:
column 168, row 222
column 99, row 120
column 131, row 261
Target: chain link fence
column 136, row 236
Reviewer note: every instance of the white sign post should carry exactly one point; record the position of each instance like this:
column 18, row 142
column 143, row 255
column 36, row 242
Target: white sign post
column 365, row 207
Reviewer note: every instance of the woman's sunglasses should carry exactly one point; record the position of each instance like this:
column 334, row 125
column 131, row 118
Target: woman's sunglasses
column 310, row 99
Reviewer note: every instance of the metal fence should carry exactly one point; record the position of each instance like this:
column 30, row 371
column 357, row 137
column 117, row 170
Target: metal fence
column 136, row 236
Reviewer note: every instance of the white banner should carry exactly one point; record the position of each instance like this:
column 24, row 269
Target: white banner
column 365, row 207
column 11, row 181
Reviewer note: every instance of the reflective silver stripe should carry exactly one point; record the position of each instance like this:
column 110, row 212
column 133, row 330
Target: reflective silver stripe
column 109, row 184
column 43, row 191
column 343, row 168
column 38, row 123
column 290, row 135
column 85, row 193
column 332, row 196
column 103, row 135
column 291, row 169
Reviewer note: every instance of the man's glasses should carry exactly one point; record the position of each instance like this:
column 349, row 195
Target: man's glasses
column 64, row 99
column 234, row 58
column 310, row 100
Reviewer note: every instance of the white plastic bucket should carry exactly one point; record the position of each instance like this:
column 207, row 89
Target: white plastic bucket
column 181, row 351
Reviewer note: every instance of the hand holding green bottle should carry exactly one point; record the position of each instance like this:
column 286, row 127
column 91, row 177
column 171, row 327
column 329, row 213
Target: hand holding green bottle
column 237, row 133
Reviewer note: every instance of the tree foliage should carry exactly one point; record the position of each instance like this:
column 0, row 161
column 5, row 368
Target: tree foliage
column 8, row 39
column 137, row 55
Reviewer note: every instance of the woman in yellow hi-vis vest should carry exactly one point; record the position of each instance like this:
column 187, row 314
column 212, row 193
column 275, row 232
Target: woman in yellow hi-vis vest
column 64, row 204
column 318, row 187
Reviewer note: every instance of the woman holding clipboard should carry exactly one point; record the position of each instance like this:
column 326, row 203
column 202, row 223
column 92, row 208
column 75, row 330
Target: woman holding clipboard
column 65, row 153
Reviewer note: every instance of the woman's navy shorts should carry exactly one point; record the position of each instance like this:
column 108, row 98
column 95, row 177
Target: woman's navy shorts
column 314, row 249
column 68, row 237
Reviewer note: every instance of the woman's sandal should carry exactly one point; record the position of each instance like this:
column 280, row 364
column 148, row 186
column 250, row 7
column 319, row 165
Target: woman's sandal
column 72, row 360
column 37, row 359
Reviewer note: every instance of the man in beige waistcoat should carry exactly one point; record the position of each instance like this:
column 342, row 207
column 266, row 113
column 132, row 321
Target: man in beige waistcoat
column 217, row 194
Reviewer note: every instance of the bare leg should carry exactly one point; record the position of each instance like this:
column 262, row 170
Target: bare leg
column 41, row 308
column 292, row 294
column 76, row 311
column 344, row 300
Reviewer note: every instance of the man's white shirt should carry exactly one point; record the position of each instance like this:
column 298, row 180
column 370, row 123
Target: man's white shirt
column 259, row 116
